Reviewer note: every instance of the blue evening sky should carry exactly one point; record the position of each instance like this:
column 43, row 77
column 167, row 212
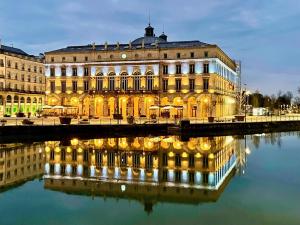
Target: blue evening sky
column 263, row 34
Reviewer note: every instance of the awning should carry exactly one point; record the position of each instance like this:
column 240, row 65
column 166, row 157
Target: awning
column 154, row 107
column 47, row 107
column 168, row 107
column 58, row 107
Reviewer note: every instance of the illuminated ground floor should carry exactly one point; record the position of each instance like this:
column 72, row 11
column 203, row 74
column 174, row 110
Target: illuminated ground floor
column 13, row 103
column 146, row 105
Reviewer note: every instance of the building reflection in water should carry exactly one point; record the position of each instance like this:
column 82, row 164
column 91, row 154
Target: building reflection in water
column 146, row 169
column 20, row 163
column 150, row 169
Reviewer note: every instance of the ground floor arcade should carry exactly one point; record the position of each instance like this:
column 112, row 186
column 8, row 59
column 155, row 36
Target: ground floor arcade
column 169, row 106
column 13, row 103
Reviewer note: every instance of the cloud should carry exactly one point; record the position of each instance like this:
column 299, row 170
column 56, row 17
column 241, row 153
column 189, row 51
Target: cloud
column 264, row 35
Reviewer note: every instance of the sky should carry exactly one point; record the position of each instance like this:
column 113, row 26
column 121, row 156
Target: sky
column 263, row 34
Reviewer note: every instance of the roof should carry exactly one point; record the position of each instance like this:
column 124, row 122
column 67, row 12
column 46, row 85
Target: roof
column 4, row 48
column 149, row 43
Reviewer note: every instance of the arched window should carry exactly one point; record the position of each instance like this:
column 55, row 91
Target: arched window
column 16, row 99
column 149, row 81
column 40, row 100
column 99, row 82
column 111, row 83
column 22, row 100
column 124, row 82
column 28, row 100
column 8, row 99
column 1, row 100
column 34, row 100
column 137, row 83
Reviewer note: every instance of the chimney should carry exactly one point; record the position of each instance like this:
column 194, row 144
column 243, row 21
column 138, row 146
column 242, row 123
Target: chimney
column 143, row 43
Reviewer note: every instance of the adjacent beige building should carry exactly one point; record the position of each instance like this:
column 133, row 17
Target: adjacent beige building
column 22, row 82
column 148, row 77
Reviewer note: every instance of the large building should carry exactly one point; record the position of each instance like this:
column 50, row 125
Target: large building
column 22, row 82
column 148, row 76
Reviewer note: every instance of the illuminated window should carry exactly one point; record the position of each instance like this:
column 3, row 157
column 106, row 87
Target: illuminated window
column 205, row 84
column 178, row 69
column 136, row 160
column 63, row 87
column 111, row 159
column 137, row 83
column 192, row 85
column 111, row 84
column 85, row 155
column 99, row 159
column 63, row 155
column 74, row 86
column 165, row 85
column 165, row 159
column 149, row 82
column 99, row 83
column 86, row 71
column 165, row 69
column 149, row 161
column 63, row 71
column 206, row 54
column 86, row 86
column 52, row 72
column 205, row 68
column 52, row 86
column 124, row 82
column 177, row 160
column 178, row 85
column 191, row 161
column 191, row 177
column 192, row 68
column 74, row 71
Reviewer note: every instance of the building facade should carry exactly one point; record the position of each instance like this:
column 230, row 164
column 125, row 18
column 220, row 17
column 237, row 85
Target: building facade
column 146, row 77
column 22, row 82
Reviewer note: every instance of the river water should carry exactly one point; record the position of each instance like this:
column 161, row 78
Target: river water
column 251, row 179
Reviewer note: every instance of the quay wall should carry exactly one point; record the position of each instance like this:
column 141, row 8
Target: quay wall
column 32, row 133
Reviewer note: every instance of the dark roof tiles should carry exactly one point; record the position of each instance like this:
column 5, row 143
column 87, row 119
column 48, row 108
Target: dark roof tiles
column 134, row 45
column 4, row 48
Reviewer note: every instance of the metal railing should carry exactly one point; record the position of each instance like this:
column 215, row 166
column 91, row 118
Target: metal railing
column 48, row 121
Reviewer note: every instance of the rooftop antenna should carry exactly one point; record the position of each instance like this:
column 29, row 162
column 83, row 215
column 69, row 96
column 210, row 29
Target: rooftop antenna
column 149, row 18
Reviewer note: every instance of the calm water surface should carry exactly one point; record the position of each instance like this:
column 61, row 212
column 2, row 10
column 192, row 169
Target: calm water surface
column 152, row 180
